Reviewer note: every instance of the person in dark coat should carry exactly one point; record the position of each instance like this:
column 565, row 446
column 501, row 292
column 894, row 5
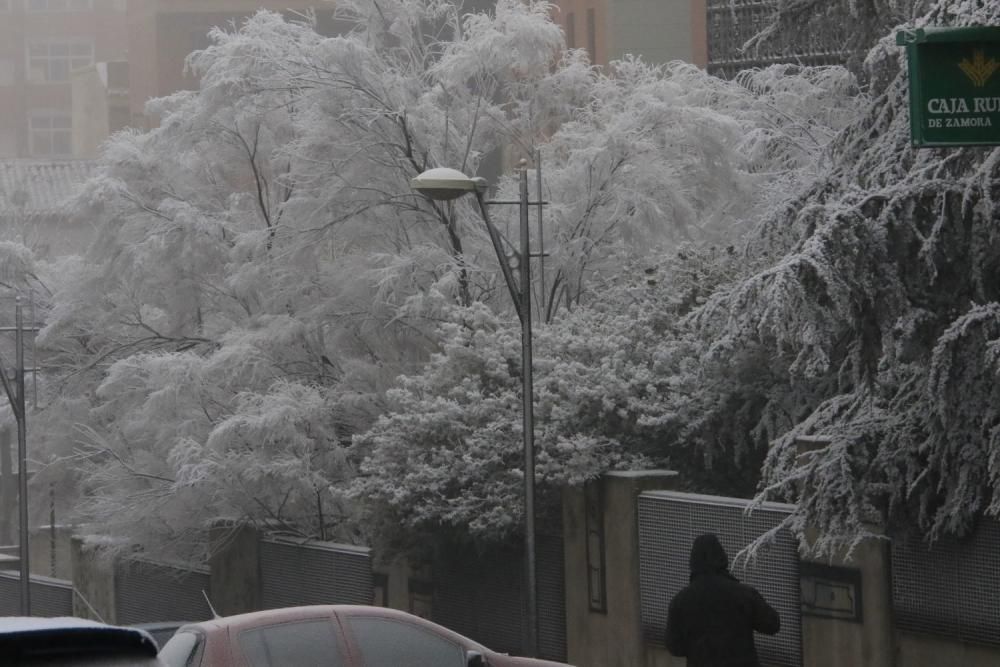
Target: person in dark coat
column 712, row 620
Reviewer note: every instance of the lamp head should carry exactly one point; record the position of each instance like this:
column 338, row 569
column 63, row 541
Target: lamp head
column 443, row 183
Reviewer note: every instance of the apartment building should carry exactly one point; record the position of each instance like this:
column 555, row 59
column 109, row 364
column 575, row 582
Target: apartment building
column 41, row 43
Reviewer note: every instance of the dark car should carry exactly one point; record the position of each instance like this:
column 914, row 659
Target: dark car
column 73, row 642
column 330, row 636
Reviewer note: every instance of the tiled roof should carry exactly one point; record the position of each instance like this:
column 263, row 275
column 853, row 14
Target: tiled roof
column 41, row 187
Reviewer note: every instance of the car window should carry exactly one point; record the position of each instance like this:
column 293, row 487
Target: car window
column 309, row 643
column 181, row 650
column 386, row 641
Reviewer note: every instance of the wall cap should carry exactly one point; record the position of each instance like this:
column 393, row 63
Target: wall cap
column 745, row 503
column 641, row 474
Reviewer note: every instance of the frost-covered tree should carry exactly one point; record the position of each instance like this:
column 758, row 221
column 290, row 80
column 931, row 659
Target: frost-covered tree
column 261, row 255
column 668, row 155
column 873, row 318
column 620, row 382
column 658, row 157
column 860, row 312
column 264, row 272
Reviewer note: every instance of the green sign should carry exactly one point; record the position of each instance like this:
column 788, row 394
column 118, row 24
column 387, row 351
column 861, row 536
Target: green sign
column 954, row 85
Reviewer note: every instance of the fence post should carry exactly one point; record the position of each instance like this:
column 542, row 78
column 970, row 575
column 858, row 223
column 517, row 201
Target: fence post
column 94, row 580
column 235, row 569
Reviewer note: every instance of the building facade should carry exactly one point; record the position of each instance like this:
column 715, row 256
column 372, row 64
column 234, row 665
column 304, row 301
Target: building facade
column 35, row 205
column 713, row 34
column 162, row 33
column 657, row 30
column 100, row 105
column 41, row 43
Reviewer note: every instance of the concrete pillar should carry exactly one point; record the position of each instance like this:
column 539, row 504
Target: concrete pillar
column 94, row 580
column 49, row 551
column 235, row 585
column 613, row 637
column 397, row 577
column 868, row 642
column 832, row 642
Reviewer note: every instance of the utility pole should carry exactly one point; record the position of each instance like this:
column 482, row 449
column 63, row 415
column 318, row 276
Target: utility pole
column 16, row 394
column 22, row 458
column 528, row 423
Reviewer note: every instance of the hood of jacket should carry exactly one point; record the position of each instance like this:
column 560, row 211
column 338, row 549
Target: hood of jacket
column 708, row 556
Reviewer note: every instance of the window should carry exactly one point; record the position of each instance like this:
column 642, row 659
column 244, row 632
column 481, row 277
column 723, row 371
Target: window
column 592, row 35
column 52, row 62
column 6, row 71
column 308, row 643
column 51, row 134
column 421, row 597
column 385, row 641
column 593, row 495
column 46, row 6
column 380, row 589
column 571, row 30
column 8, row 143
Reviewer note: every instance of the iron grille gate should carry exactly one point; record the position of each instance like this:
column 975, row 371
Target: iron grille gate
column 296, row 573
column 949, row 588
column 480, row 596
column 49, row 597
column 147, row 591
column 730, row 23
column 668, row 523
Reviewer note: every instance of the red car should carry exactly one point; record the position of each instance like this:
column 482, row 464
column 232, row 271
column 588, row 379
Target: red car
column 329, row 636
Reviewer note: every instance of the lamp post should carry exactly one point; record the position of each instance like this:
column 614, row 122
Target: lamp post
column 443, row 184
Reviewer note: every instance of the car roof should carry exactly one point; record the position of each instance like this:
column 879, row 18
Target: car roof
column 291, row 613
column 32, row 636
column 256, row 618
column 159, row 625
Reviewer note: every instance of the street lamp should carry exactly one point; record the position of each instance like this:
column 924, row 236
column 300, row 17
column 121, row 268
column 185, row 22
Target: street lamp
column 444, row 184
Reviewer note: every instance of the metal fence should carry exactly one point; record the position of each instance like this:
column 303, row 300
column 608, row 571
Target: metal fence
column 950, row 588
column 480, row 595
column 147, row 591
column 49, row 597
column 730, row 24
column 668, row 523
column 300, row 573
